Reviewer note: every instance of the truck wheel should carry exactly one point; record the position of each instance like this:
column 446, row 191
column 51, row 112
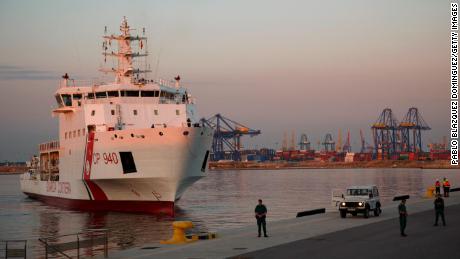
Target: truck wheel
column 343, row 214
column 366, row 213
column 377, row 212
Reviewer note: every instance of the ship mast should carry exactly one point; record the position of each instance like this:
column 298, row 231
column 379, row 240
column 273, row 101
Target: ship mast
column 124, row 73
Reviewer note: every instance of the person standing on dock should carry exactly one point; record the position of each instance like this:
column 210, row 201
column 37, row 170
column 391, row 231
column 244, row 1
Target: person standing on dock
column 439, row 209
column 402, row 217
column 446, row 187
column 437, row 186
column 261, row 214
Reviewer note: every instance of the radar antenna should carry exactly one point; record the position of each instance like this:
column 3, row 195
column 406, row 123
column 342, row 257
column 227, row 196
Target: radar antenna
column 124, row 72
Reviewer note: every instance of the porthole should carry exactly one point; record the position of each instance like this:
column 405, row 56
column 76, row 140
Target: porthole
column 132, row 135
column 161, row 133
column 185, row 133
column 116, row 136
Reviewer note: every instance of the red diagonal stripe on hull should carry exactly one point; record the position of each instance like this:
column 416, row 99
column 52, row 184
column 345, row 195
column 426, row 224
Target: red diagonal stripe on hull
column 96, row 191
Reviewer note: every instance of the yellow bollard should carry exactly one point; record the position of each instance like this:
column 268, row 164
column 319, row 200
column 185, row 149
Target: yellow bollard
column 430, row 192
column 179, row 233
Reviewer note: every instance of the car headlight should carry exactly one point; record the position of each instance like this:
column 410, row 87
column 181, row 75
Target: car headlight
column 343, row 204
column 360, row 204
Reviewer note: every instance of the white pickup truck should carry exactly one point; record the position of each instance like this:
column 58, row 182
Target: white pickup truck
column 359, row 199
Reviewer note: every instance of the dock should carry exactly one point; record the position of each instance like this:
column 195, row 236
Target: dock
column 329, row 236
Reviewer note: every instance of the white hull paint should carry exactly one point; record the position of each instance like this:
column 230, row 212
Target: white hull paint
column 166, row 165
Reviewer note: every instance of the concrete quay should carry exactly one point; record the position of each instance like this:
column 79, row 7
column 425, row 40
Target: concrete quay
column 329, row 236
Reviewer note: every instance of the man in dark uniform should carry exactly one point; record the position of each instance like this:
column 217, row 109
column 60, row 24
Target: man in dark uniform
column 439, row 209
column 261, row 213
column 402, row 217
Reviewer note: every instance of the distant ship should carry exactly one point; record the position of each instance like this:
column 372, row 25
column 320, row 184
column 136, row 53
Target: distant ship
column 134, row 145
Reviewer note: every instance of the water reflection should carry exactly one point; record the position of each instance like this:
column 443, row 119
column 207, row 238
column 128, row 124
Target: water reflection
column 222, row 200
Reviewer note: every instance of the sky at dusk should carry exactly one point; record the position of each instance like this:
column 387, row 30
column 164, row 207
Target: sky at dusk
column 310, row 66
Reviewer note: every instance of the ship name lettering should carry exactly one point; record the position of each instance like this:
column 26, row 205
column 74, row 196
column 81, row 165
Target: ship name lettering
column 96, row 158
column 50, row 186
column 64, row 187
column 109, row 158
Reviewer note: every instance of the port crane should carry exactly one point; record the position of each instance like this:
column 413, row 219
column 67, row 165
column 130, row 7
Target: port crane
column 304, row 142
column 347, row 145
column 328, row 143
column 384, row 131
column 412, row 123
column 227, row 137
column 365, row 147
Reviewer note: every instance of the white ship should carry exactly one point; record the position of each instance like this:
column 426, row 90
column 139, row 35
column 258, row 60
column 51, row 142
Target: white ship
column 133, row 145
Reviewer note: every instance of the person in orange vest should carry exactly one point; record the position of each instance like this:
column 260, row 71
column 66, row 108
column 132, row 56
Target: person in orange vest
column 446, row 187
column 437, row 186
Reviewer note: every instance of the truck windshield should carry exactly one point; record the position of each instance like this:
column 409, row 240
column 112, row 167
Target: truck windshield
column 358, row 192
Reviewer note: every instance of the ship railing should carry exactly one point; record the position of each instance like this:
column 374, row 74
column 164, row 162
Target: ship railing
column 91, row 241
column 13, row 248
column 167, row 83
column 80, row 83
column 48, row 146
column 164, row 100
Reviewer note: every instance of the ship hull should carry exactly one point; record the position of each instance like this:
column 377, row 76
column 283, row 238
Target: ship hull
column 95, row 176
column 151, row 207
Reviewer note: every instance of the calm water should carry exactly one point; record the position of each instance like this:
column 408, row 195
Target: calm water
column 221, row 200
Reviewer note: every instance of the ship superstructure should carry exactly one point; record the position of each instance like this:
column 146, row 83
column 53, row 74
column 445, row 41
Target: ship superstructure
column 132, row 145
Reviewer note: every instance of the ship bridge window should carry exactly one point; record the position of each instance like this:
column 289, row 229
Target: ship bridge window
column 90, row 95
column 166, row 96
column 76, row 96
column 148, row 93
column 112, row 93
column 67, row 99
column 59, row 100
column 130, row 93
column 101, row 95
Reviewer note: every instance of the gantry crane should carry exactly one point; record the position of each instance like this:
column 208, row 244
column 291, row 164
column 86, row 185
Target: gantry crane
column 304, row 142
column 328, row 143
column 384, row 131
column 227, row 137
column 414, row 122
